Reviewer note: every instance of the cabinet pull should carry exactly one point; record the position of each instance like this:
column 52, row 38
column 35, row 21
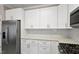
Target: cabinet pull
column 28, row 45
column 48, row 26
column 11, row 17
column 31, row 26
column 66, row 25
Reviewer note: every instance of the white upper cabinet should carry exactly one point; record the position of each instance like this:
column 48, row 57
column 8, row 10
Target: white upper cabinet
column 32, row 18
column 63, row 16
column 48, row 17
column 41, row 18
column 8, row 15
column 14, row 14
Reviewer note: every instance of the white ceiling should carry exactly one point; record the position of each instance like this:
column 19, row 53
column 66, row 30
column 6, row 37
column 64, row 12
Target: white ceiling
column 11, row 6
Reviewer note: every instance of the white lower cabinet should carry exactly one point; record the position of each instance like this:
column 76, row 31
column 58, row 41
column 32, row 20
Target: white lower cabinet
column 29, row 46
column 23, row 46
column 33, row 46
column 44, row 47
column 39, row 47
column 54, row 47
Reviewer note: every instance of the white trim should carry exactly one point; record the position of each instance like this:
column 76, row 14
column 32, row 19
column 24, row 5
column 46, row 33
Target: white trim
column 40, row 6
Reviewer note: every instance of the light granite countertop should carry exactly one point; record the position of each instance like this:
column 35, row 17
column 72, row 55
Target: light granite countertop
column 59, row 38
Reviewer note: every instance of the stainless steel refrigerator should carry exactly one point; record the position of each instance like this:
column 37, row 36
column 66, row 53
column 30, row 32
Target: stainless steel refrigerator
column 11, row 37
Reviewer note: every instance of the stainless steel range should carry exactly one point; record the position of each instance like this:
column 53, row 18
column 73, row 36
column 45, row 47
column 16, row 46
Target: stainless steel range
column 65, row 48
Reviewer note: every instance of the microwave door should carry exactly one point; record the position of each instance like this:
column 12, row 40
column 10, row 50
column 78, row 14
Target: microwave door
column 75, row 25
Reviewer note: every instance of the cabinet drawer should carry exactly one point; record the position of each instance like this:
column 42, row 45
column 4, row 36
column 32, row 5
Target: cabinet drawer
column 54, row 47
column 44, row 47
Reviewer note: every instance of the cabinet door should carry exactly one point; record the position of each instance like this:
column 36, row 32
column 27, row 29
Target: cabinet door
column 62, row 16
column 32, row 18
column 23, row 46
column 44, row 47
column 29, row 46
column 27, row 19
column 14, row 14
column 34, row 46
column 18, row 14
column 54, row 47
column 8, row 15
column 48, row 17
column 52, row 17
column 43, row 17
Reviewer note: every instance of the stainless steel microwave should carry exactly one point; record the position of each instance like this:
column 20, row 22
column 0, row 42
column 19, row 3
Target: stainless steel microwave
column 74, row 18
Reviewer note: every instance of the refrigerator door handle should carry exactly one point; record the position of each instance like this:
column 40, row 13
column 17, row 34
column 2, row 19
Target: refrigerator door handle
column 7, row 35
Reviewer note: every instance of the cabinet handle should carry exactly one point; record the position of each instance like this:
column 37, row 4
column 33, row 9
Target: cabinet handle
column 31, row 26
column 48, row 26
column 28, row 45
column 66, row 25
column 11, row 17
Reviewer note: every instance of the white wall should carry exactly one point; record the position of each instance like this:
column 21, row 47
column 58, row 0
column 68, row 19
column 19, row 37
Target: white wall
column 64, row 32
column 75, row 34
column 2, row 17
